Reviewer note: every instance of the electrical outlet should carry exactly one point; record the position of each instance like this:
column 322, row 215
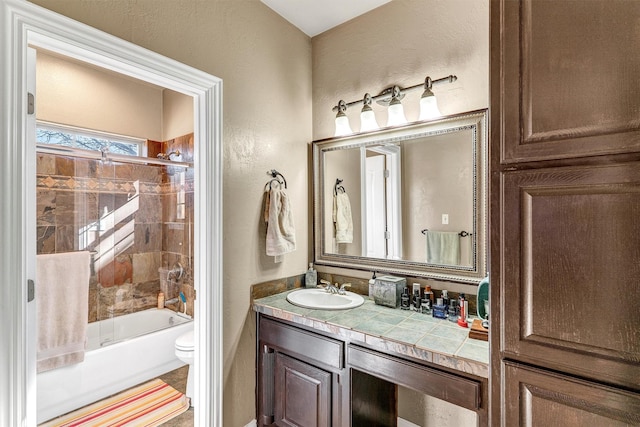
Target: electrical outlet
column 445, row 219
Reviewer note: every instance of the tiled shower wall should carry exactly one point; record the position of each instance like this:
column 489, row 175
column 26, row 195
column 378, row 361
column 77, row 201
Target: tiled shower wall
column 134, row 218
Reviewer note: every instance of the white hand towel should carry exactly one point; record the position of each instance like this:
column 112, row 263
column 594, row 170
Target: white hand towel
column 342, row 218
column 443, row 247
column 281, row 233
column 62, row 306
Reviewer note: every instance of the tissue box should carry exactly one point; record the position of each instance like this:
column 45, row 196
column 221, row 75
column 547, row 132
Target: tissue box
column 387, row 290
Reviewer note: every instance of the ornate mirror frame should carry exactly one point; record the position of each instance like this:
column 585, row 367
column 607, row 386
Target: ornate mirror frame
column 476, row 122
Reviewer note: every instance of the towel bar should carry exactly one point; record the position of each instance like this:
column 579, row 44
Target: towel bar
column 461, row 234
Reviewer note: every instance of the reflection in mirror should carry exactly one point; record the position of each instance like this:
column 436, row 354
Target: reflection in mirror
column 409, row 200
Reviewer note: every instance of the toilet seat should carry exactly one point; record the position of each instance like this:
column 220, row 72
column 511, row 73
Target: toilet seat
column 185, row 342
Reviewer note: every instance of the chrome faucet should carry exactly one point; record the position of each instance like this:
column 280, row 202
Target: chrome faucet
column 176, row 272
column 342, row 290
column 328, row 287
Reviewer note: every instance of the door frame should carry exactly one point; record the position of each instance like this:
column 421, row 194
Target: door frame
column 25, row 24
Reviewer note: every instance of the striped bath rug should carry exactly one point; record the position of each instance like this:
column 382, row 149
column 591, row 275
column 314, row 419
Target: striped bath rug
column 146, row 405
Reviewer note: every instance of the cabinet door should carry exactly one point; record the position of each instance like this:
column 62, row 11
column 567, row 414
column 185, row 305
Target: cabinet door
column 538, row 398
column 302, row 394
column 564, row 78
column 570, row 256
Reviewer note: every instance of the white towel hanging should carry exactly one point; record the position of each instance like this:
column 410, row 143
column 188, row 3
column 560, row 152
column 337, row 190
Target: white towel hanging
column 281, row 233
column 342, row 217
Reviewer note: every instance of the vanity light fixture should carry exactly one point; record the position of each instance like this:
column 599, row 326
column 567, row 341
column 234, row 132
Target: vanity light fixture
column 390, row 97
column 428, row 104
column 367, row 116
column 395, row 111
column 342, row 121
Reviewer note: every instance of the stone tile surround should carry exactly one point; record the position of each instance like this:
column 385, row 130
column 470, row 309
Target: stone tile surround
column 83, row 203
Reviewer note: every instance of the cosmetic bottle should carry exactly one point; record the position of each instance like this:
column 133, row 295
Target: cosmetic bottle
column 311, row 277
column 405, row 301
column 445, row 298
column 161, row 300
column 416, row 300
column 452, row 311
column 425, row 307
column 462, row 319
column 439, row 310
column 428, row 294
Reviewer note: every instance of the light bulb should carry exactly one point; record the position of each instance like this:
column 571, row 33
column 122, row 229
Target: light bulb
column 368, row 121
column 342, row 121
column 395, row 113
column 342, row 125
column 428, row 104
column 367, row 116
column 429, row 107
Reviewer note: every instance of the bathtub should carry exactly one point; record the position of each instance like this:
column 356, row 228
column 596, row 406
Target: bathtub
column 120, row 353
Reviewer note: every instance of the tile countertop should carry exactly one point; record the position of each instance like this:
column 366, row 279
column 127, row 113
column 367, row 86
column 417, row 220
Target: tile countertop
column 421, row 336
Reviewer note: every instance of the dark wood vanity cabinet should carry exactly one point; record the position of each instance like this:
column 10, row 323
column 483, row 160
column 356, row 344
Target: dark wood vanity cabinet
column 301, row 376
column 565, row 209
column 309, row 379
column 303, row 393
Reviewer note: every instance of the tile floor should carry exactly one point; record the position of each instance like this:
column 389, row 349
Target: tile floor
column 178, row 380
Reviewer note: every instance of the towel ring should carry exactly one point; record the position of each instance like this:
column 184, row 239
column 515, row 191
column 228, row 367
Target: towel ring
column 270, row 184
column 338, row 187
column 275, row 174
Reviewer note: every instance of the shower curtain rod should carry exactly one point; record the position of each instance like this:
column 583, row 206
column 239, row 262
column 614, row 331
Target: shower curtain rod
column 100, row 155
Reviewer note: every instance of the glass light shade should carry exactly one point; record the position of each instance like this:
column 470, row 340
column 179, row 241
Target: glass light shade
column 429, row 107
column 395, row 114
column 342, row 125
column 368, row 120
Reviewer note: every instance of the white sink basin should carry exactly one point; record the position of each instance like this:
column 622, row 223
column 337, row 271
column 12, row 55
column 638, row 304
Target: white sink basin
column 319, row 299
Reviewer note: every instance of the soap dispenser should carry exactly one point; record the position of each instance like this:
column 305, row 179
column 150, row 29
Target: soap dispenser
column 372, row 283
column 311, row 277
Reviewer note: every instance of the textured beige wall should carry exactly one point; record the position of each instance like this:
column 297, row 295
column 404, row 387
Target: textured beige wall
column 76, row 94
column 71, row 93
column 401, row 43
column 177, row 114
column 265, row 64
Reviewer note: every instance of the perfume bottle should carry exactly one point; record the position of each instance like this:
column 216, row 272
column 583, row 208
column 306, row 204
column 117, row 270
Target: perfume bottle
column 405, row 300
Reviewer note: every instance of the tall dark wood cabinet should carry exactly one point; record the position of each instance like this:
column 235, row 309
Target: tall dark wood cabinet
column 565, row 212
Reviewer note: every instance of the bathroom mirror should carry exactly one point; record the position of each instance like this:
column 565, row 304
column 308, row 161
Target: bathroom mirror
column 417, row 196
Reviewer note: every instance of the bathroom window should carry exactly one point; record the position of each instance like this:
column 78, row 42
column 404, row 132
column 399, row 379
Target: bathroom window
column 53, row 134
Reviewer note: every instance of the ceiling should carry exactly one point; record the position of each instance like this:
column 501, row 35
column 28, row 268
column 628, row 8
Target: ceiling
column 317, row 16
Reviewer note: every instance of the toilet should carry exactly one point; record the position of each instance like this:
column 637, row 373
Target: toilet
column 184, row 352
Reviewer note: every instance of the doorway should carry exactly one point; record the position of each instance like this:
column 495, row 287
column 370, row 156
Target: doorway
column 30, row 25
